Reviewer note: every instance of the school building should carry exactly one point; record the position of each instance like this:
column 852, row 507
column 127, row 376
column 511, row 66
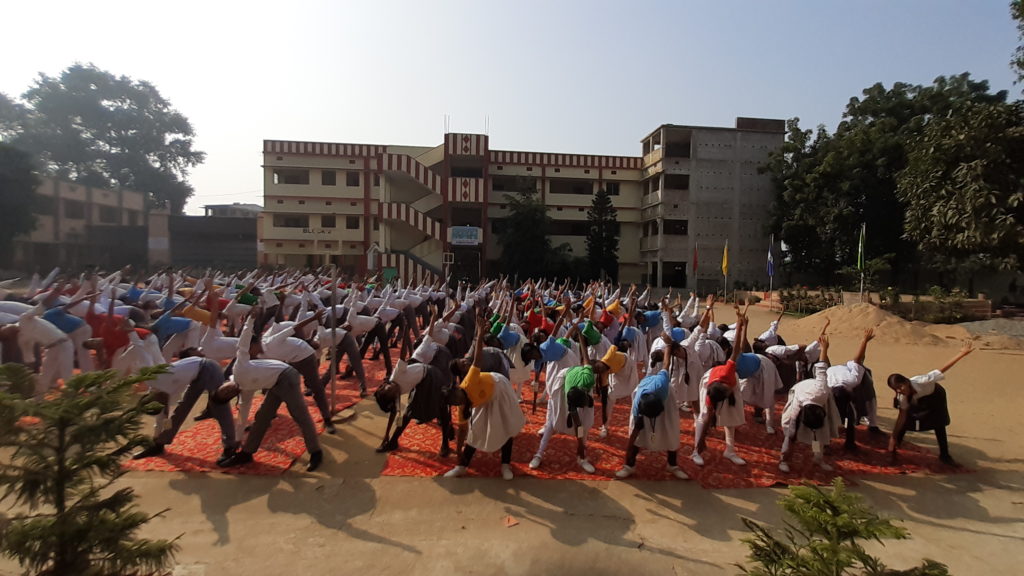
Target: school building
column 411, row 210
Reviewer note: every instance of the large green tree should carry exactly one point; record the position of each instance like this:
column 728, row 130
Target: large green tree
column 18, row 183
column 603, row 236
column 827, row 185
column 964, row 187
column 1017, row 13
column 90, row 126
column 525, row 245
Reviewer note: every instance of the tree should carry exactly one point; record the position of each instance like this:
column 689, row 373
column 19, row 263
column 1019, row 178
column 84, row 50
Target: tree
column 1017, row 13
column 18, row 183
column 61, row 460
column 827, row 186
column 964, row 187
column 823, row 536
column 524, row 241
column 603, row 236
column 90, row 126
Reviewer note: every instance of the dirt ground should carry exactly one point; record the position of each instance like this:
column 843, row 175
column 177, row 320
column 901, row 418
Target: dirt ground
column 347, row 519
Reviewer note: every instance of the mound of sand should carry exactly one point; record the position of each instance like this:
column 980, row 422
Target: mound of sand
column 853, row 320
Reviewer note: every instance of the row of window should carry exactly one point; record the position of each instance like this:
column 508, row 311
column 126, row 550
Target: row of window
column 326, row 221
column 555, row 228
column 327, row 177
column 671, row 227
column 76, row 210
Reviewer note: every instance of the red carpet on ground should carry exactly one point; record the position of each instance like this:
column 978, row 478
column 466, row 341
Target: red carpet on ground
column 197, row 448
column 417, row 455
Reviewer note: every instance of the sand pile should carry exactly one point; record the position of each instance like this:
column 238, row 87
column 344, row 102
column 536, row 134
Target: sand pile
column 852, row 320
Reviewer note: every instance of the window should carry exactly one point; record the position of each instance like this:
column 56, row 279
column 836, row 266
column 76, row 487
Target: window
column 565, row 186
column 110, row 215
column 351, row 179
column 280, row 201
column 327, row 221
column 291, row 221
column 352, row 222
column 501, row 167
column 677, row 227
column 376, row 223
column 328, row 203
column 328, row 178
column 72, row 209
column 291, row 176
column 612, row 188
column 302, row 201
column 376, row 180
column 327, row 245
column 558, row 169
column 280, row 244
column 301, row 245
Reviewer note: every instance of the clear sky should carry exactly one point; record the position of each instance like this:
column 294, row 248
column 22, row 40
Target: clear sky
column 588, row 77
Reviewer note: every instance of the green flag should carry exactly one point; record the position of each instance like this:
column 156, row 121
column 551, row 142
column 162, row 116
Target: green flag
column 860, row 248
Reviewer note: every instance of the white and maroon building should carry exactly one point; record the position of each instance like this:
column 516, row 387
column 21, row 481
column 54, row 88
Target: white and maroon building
column 412, row 210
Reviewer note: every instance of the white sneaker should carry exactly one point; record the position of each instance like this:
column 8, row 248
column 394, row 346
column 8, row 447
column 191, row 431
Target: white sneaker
column 625, row 472
column 603, row 432
column 678, row 472
column 506, row 472
column 685, row 407
column 735, row 459
column 456, row 472
column 535, row 463
column 587, row 466
column 540, row 432
column 784, row 466
column 697, row 459
column 769, row 429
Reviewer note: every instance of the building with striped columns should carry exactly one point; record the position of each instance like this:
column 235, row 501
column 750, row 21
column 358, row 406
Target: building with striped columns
column 414, row 210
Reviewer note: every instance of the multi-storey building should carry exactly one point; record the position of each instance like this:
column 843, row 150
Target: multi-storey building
column 413, row 210
column 78, row 225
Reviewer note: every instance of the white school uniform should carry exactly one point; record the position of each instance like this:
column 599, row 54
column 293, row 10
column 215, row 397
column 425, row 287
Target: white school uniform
column 759, row 389
column 493, row 423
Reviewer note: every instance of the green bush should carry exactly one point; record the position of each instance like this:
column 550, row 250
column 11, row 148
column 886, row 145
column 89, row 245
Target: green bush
column 823, row 535
column 61, row 459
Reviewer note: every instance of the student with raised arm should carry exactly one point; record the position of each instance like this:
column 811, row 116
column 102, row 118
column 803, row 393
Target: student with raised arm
column 653, row 398
column 810, row 415
column 844, row 379
column 495, row 419
column 281, row 383
column 921, row 401
column 721, row 403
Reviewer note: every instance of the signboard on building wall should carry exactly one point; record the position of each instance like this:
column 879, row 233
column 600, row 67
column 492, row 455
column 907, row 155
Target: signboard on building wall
column 465, row 235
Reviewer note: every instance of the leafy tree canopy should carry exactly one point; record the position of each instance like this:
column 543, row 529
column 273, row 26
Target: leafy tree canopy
column 525, row 245
column 90, row 126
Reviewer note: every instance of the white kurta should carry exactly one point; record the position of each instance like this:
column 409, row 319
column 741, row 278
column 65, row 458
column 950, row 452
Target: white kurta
column 623, row 383
column 727, row 415
column 558, row 408
column 759, row 389
column 811, row 392
column 493, row 423
column 665, row 436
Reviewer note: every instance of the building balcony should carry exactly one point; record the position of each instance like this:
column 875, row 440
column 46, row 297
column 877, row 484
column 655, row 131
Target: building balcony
column 653, row 157
column 650, row 199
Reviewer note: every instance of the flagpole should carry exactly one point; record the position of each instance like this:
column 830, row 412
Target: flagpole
column 771, row 270
column 860, row 259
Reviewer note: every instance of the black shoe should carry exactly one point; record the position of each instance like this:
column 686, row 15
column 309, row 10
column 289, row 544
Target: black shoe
column 205, row 414
column 315, row 459
column 850, row 447
column 236, row 459
column 947, row 460
column 446, row 451
column 227, row 453
column 154, row 450
column 330, row 429
column 308, row 392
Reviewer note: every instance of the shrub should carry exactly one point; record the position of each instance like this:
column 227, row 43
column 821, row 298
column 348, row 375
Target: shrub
column 823, row 534
column 62, row 457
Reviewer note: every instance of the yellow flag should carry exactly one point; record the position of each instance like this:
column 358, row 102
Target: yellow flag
column 725, row 259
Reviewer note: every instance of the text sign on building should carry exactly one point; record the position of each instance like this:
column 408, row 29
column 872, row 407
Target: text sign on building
column 465, row 235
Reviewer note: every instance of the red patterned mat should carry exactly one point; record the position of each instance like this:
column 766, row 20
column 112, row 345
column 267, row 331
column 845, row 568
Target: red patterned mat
column 417, row 456
column 197, row 448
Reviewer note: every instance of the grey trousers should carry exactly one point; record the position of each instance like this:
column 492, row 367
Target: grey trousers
column 210, row 378
column 348, row 347
column 287, row 390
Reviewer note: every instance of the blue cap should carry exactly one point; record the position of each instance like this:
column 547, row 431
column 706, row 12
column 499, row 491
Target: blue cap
column 678, row 334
